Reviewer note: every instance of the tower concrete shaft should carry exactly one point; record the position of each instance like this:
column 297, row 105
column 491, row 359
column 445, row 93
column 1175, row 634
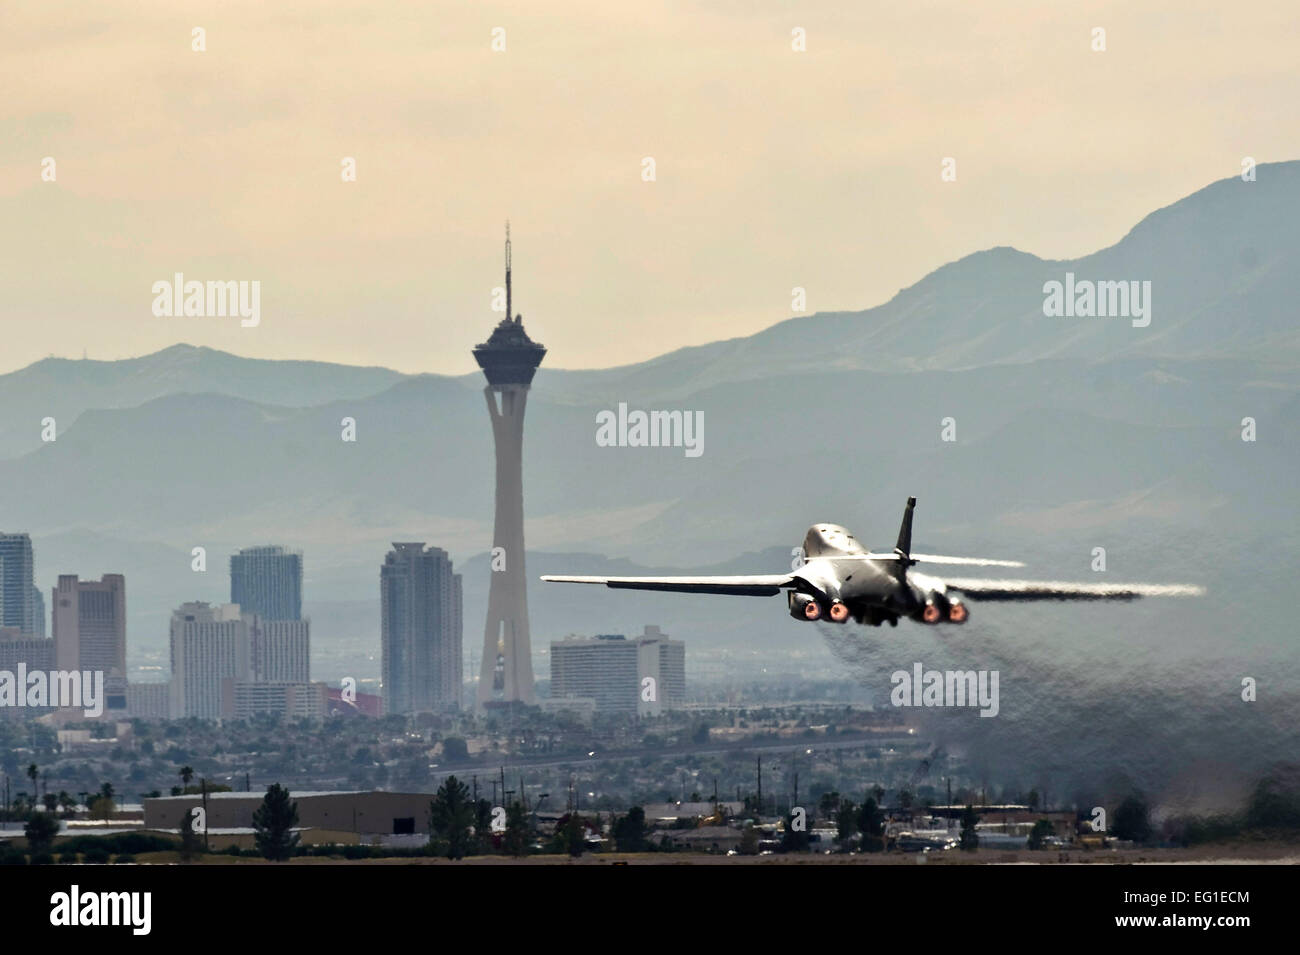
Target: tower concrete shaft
column 509, row 359
column 507, row 670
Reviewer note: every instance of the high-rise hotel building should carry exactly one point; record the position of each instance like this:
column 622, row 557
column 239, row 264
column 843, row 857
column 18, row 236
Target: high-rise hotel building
column 421, row 630
column 17, row 592
column 267, row 581
column 216, row 650
column 89, row 624
column 643, row 675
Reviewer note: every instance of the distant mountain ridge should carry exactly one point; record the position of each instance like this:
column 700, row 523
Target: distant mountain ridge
column 1221, row 261
column 1069, row 433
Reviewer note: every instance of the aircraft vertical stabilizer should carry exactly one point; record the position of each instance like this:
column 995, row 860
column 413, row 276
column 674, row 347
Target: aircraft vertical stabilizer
column 903, row 549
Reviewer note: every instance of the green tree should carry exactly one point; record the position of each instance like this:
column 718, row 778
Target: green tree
column 1132, row 819
column 40, row 831
column 67, row 804
column 451, row 815
column 572, row 835
column 846, row 822
column 1038, row 835
column 515, row 839
column 871, row 823
column 483, row 825
column 101, row 807
column 969, row 840
column 829, row 805
column 629, row 831
column 795, row 839
column 273, row 823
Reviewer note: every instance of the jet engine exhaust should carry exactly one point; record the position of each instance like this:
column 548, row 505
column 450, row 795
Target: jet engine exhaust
column 804, row 606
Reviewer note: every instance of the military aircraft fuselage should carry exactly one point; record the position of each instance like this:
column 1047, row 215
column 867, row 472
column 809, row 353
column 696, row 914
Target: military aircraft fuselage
column 842, row 580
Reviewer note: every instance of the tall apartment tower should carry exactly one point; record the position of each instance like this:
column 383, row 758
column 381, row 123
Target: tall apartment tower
column 17, row 607
column 267, row 581
column 422, row 628
column 89, row 623
column 509, row 359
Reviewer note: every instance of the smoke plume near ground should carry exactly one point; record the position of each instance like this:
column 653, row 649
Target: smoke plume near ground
column 1140, row 699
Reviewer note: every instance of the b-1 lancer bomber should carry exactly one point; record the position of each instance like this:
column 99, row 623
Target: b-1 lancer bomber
column 840, row 580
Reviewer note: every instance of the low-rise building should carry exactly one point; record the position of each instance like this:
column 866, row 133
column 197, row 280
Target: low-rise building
column 368, row 813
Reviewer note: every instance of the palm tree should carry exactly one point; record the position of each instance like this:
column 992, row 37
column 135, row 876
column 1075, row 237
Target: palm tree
column 32, row 773
column 186, row 774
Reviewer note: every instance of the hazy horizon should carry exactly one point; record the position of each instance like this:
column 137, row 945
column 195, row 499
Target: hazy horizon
column 775, row 169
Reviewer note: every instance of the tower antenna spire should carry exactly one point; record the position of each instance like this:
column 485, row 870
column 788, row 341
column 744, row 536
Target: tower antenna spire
column 509, row 314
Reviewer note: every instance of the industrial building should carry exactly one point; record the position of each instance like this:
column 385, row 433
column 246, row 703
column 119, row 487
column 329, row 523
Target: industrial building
column 372, row 813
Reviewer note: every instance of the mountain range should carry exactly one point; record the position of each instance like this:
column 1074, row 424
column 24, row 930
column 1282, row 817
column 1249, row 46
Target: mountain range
column 1070, row 433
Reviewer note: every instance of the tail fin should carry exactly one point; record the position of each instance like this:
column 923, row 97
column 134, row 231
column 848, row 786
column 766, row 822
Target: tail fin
column 904, row 547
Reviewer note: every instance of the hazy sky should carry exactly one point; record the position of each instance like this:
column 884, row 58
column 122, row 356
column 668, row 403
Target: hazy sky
column 775, row 168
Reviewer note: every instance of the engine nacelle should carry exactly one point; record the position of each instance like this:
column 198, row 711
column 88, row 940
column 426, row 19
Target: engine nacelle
column 934, row 608
column 804, row 606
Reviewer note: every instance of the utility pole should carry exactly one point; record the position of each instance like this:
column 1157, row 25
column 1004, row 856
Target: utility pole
column 760, row 784
column 503, row 782
column 476, row 792
column 204, row 784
